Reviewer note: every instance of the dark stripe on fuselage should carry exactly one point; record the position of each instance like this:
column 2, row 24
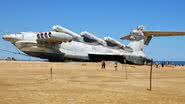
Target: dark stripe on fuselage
column 100, row 57
column 119, row 58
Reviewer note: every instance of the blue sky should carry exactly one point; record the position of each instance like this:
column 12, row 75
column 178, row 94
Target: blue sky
column 104, row 17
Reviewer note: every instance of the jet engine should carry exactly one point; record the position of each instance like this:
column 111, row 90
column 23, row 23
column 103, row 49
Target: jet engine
column 89, row 37
column 111, row 42
column 61, row 29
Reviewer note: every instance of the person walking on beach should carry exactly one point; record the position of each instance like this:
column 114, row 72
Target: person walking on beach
column 103, row 64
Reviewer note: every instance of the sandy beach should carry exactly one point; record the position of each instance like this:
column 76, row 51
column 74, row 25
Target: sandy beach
column 86, row 83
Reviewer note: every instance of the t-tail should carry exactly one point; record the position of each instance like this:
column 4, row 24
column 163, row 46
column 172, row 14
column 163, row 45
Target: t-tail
column 140, row 37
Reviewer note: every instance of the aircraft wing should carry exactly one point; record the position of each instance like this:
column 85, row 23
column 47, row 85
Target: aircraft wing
column 160, row 33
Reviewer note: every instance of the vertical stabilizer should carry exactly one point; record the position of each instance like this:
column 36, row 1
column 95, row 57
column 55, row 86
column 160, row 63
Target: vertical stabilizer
column 136, row 45
column 136, row 38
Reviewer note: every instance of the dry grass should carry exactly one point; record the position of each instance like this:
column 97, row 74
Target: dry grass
column 86, row 83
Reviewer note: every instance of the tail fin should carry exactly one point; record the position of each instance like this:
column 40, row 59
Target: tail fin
column 136, row 45
column 140, row 37
column 136, row 38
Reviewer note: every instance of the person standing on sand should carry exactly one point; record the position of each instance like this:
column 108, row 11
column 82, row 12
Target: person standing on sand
column 103, row 64
column 116, row 66
column 162, row 65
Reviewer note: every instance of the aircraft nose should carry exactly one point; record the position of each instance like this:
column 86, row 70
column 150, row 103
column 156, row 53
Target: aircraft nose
column 8, row 37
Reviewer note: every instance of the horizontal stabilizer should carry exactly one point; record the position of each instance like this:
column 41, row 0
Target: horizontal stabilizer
column 160, row 33
column 149, row 34
column 127, row 37
column 139, row 34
